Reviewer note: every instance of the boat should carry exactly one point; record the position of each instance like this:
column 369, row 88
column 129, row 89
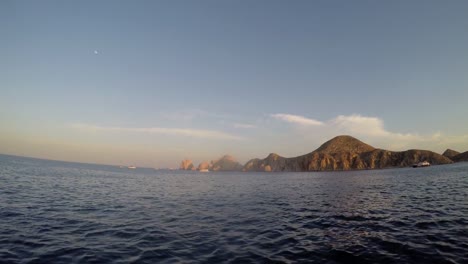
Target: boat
column 421, row 164
column 131, row 167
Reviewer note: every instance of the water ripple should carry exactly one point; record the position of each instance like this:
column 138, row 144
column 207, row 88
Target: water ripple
column 77, row 213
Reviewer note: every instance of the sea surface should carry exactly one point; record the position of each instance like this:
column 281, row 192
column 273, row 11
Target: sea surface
column 60, row 212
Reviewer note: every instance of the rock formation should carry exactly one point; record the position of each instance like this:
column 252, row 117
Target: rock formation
column 186, row 165
column 461, row 157
column 345, row 153
column 225, row 163
column 450, row 153
column 204, row 166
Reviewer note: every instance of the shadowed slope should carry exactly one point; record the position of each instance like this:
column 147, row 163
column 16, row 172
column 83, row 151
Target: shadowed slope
column 461, row 157
column 450, row 153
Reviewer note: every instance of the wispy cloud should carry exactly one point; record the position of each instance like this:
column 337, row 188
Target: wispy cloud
column 364, row 125
column 191, row 114
column 242, row 125
column 370, row 129
column 354, row 124
column 186, row 132
column 183, row 115
column 296, row 119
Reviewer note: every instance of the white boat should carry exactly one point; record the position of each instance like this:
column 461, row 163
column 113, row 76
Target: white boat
column 421, row 164
column 131, row 167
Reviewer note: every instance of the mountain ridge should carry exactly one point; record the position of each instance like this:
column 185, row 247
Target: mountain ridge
column 345, row 153
column 342, row 152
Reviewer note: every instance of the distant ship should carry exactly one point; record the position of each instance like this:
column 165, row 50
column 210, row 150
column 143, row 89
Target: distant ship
column 421, row 164
column 131, row 167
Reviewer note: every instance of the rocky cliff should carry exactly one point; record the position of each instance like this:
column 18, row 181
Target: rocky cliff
column 204, row 166
column 186, row 165
column 345, row 153
column 226, row 163
column 450, row 153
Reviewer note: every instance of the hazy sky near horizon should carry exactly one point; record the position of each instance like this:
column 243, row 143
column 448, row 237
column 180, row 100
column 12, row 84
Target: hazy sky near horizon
column 153, row 82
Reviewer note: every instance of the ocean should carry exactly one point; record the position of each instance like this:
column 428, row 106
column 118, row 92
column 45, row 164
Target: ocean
column 62, row 212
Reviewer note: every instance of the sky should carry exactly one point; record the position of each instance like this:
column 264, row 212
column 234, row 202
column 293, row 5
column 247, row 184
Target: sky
column 149, row 83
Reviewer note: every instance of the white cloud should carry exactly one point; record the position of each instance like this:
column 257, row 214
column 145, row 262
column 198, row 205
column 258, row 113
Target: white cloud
column 363, row 125
column 186, row 132
column 352, row 124
column 370, row 130
column 296, row 119
column 359, row 124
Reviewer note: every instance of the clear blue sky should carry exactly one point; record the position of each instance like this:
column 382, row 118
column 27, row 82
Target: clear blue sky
column 152, row 82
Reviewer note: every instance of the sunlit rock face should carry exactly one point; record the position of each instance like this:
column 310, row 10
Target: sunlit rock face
column 226, row 163
column 204, row 166
column 186, row 165
column 345, row 153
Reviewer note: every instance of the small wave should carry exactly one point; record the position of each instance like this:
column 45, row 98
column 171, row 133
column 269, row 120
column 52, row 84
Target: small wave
column 100, row 215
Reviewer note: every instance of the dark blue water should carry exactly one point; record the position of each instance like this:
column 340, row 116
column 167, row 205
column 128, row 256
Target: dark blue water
column 57, row 212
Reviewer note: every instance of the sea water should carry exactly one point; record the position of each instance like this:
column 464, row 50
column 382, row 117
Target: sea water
column 60, row 212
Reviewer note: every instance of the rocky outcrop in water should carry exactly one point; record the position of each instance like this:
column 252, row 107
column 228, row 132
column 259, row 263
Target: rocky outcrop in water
column 345, row 153
column 186, row 165
column 450, row 153
column 226, row 163
column 204, row 166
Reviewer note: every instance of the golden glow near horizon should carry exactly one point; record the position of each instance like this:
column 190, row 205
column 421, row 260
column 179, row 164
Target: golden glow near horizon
column 149, row 148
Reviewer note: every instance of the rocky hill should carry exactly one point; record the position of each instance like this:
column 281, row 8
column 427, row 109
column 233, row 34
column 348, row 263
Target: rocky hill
column 344, row 144
column 450, row 153
column 461, row 157
column 345, row 153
